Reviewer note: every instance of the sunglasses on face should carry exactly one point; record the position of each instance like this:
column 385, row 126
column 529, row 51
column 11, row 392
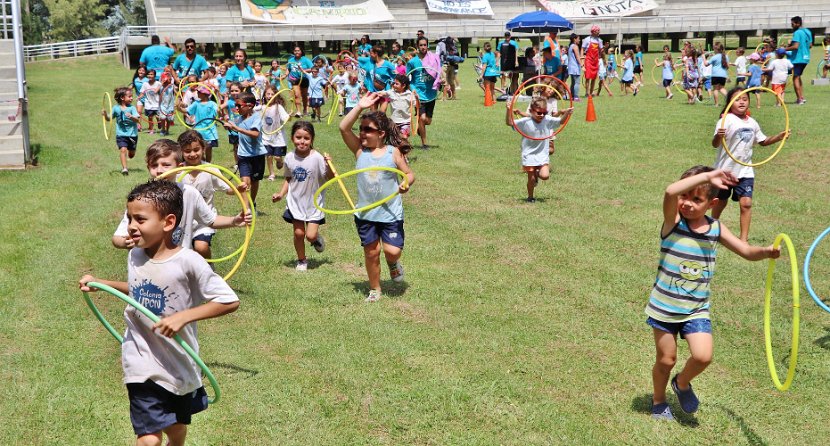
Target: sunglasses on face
column 539, row 112
column 367, row 129
column 190, row 46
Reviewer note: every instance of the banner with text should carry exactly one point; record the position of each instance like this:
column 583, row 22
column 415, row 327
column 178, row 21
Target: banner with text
column 315, row 12
column 591, row 9
column 460, row 7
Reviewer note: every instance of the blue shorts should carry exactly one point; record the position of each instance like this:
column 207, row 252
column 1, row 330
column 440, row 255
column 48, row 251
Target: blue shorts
column 204, row 238
column 798, row 68
column 391, row 233
column 684, row 328
column 150, row 113
column 316, row 102
column 289, row 218
column 153, row 408
column 252, row 167
column 126, row 141
column 742, row 189
column 275, row 150
column 667, row 82
column 707, row 83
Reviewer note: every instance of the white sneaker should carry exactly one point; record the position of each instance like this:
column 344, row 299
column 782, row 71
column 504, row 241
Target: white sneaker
column 302, row 265
column 374, row 296
column 396, row 271
column 670, row 96
column 320, row 244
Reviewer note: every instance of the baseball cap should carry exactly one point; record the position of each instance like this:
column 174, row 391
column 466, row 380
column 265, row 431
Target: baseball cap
column 780, row 51
column 507, row 34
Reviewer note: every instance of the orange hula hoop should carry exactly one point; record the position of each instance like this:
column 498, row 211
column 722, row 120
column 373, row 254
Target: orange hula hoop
column 523, row 87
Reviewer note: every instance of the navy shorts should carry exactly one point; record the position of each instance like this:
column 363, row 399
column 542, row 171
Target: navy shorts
column 798, row 68
column 717, row 80
column 426, row 108
column 491, row 79
column 233, row 139
column 275, row 150
column 252, row 167
column 346, row 110
column 204, row 238
column 154, row 408
column 684, row 328
column 742, row 189
column 389, row 233
column 126, row 141
column 150, row 113
column 289, row 218
column 316, row 102
column 667, row 82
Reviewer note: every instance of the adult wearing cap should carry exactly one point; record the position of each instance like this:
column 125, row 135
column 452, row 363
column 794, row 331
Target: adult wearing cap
column 591, row 47
column 508, row 54
column 189, row 63
column 155, row 56
column 800, row 56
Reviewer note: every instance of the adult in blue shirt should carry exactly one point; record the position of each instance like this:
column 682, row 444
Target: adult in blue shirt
column 189, row 63
column 297, row 65
column 155, row 56
column 383, row 71
column 365, row 46
column 425, row 79
column 800, row 47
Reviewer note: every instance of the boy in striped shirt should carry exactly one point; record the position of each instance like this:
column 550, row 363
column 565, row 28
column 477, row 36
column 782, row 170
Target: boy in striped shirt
column 679, row 301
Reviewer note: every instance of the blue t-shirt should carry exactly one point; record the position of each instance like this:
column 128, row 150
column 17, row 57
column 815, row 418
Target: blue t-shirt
column 628, row 73
column 223, row 85
column 315, row 86
column 233, row 116
column 373, row 186
column 138, row 83
column 490, row 60
column 204, row 110
column 156, row 57
column 383, row 74
column 804, row 38
column 295, row 64
column 754, row 76
column 668, row 70
column 352, row 94
column 422, row 80
column 249, row 146
column 125, row 126
column 366, row 65
column 552, row 65
column 234, row 74
column 716, row 62
column 638, row 58
column 181, row 64
column 274, row 78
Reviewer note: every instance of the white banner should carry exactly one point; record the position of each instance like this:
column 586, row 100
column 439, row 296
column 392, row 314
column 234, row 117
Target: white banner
column 315, row 12
column 461, row 7
column 591, row 9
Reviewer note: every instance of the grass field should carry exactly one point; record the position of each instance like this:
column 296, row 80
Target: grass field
column 518, row 324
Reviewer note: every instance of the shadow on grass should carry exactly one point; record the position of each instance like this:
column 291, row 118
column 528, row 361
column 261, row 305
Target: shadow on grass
column 231, row 367
column 824, row 341
column 390, row 288
column 751, row 437
column 312, row 263
column 642, row 404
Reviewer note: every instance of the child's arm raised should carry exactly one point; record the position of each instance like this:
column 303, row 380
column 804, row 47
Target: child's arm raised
column 717, row 178
column 744, row 249
column 82, row 284
column 353, row 141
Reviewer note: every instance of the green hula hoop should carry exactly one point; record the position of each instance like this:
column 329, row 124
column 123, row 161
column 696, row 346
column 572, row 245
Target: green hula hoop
column 767, row 300
column 353, row 173
column 217, row 394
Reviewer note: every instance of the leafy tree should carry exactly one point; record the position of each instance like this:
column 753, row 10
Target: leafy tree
column 35, row 19
column 125, row 13
column 75, row 19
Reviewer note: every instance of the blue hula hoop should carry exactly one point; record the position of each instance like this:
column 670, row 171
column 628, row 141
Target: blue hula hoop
column 807, row 271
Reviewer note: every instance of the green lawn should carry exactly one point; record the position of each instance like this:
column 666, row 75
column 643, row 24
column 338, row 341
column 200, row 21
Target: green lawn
column 519, row 323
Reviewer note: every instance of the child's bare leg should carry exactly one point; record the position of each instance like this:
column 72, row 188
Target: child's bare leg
column 531, row 183
column 254, row 189
column 544, row 172
column 392, row 253
column 700, row 349
column 208, row 153
column 235, row 155
column 123, row 155
column 666, row 357
column 551, row 147
column 153, row 439
column 746, row 216
column 311, row 232
column 202, row 247
column 176, row 434
column 299, row 238
column 270, row 161
column 718, row 207
column 757, row 99
column 278, row 160
column 371, row 254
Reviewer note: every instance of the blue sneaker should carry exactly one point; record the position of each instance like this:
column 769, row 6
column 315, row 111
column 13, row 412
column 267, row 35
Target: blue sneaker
column 688, row 399
column 661, row 412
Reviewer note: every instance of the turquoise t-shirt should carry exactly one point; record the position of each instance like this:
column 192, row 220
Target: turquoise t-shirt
column 181, row 64
column 156, row 57
column 274, row 78
column 201, row 111
column 352, row 94
column 421, row 80
column 295, row 64
column 490, row 60
column 804, row 38
column 125, row 126
column 366, row 65
column 234, row 74
column 233, row 116
column 384, row 74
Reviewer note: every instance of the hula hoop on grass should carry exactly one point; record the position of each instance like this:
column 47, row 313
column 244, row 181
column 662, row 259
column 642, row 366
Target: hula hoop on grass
column 179, row 100
column 249, row 230
column 807, row 260
column 268, row 104
column 217, row 394
column 524, row 87
column 106, row 101
column 786, row 127
column 340, row 177
column 767, row 299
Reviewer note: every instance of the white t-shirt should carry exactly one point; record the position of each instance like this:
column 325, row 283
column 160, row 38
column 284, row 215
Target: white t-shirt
column 535, row 153
column 151, row 95
column 183, row 281
column 195, row 211
column 340, row 81
column 207, row 185
column 305, row 176
column 273, row 118
column 740, row 66
column 401, row 104
column 741, row 135
column 779, row 68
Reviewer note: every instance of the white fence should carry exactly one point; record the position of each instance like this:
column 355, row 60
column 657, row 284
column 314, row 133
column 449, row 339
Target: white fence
column 74, row 48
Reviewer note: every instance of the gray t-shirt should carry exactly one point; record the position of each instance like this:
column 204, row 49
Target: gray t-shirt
column 183, row 281
column 207, row 185
column 305, row 176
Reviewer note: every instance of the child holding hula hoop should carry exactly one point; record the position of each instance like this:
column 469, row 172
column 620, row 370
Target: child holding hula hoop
column 740, row 133
column 167, row 104
column 251, row 152
column 378, row 144
column 679, row 300
column 202, row 112
column 305, row 171
column 164, row 385
column 126, row 125
column 274, row 117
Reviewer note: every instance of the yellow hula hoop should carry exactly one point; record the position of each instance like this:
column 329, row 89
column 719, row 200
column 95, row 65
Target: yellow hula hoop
column 335, row 101
column 678, row 79
column 340, row 182
column 653, row 77
column 353, row 173
column 268, row 104
column 796, row 305
column 786, row 127
column 107, row 101
column 249, row 230
column 179, row 100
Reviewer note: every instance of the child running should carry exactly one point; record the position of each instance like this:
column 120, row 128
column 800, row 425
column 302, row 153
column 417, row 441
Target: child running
column 754, row 78
column 402, row 100
column 126, row 125
column 740, row 133
column 251, row 152
column 378, row 144
column 164, row 385
column 149, row 95
column 305, row 172
column 778, row 69
column 167, row 104
column 204, row 114
column 627, row 78
column 679, row 300
column 273, row 131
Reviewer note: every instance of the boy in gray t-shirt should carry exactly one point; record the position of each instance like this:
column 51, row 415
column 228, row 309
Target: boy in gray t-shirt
column 163, row 383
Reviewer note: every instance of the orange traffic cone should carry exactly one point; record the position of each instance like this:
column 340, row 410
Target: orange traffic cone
column 488, row 98
column 591, row 115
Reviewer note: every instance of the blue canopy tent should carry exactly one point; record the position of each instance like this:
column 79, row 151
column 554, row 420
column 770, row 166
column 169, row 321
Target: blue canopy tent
column 539, row 22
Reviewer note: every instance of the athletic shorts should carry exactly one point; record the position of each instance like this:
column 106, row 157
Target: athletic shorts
column 742, row 189
column 276, row 150
column 778, row 88
column 212, row 143
column 717, row 80
column 233, row 139
column 252, row 167
column 798, row 68
column 667, row 82
column 130, row 142
column 684, row 328
column 154, row 408
column 289, row 218
column 204, row 238
column 637, row 69
column 391, row 233
column 426, row 108
column 491, row 79
column 150, row 113
column 316, row 102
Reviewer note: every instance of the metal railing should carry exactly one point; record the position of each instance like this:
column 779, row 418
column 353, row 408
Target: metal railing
column 73, row 48
column 6, row 24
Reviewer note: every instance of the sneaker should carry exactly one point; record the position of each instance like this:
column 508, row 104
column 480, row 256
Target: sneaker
column 319, row 244
column 669, row 96
column 396, row 271
column 530, row 200
column 125, row 172
column 341, row 113
column 576, row 99
column 424, row 147
column 313, row 116
column 636, row 90
column 297, row 115
column 800, row 102
column 374, row 296
column 302, row 265
column 151, row 132
column 688, row 399
column 272, row 177
column 661, row 412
